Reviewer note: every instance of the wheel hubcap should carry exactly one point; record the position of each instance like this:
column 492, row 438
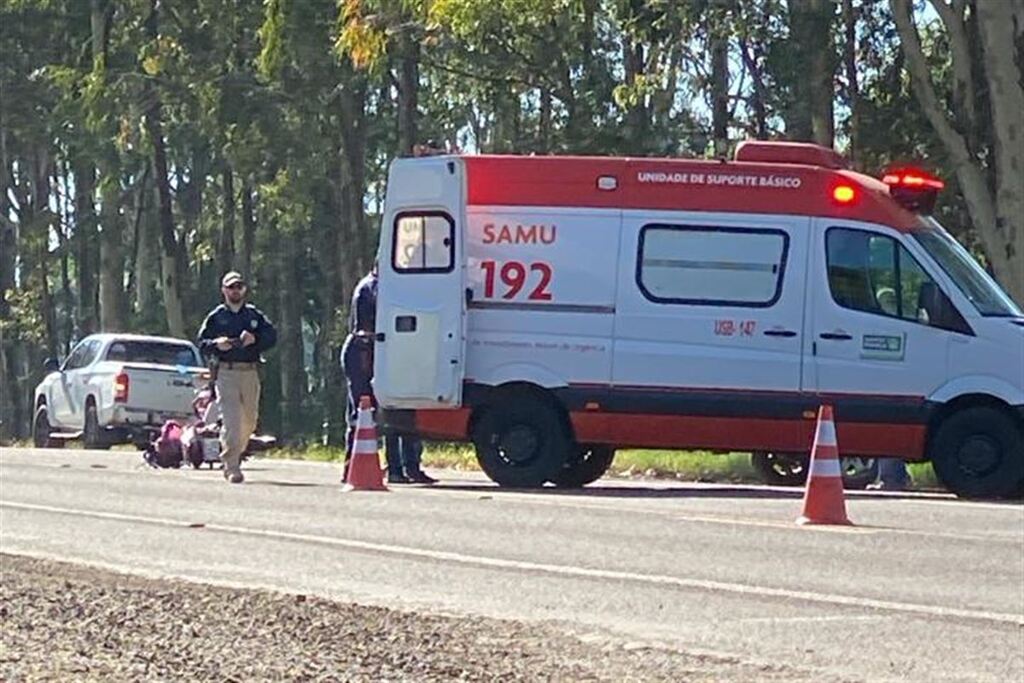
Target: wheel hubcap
column 786, row 466
column 519, row 445
column 979, row 455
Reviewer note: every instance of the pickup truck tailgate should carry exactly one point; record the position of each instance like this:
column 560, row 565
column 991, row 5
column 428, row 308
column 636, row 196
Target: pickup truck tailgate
column 162, row 390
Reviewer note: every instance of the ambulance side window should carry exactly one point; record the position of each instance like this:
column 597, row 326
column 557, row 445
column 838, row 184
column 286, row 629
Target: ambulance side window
column 873, row 273
column 712, row 266
column 424, row 242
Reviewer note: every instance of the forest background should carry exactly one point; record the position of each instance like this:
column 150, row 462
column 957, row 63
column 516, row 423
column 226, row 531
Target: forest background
column 148, row 146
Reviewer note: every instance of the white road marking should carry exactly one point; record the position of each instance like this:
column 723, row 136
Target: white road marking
column 549, row 497
column 569, row 501
column 552, row 569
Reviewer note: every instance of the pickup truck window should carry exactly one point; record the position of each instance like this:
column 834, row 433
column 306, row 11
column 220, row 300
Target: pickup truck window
column 159, row 353
column 83, row 354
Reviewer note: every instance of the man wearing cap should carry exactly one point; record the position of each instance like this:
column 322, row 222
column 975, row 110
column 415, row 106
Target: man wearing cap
column 235, row 333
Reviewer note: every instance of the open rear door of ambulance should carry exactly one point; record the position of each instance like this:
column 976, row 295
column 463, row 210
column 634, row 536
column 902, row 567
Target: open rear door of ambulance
column 419, row 349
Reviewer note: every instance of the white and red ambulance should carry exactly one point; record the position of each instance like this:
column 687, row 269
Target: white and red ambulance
column 553, row 309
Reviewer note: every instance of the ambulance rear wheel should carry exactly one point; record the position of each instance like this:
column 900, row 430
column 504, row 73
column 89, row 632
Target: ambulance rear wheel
column 521, row 441
column 585, row 465
column 979, row 453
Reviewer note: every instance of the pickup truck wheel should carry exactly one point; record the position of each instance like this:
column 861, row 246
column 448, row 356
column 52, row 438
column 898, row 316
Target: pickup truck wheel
column 780, row 469
column 858, row 472
column 521, row 441
column 41, row 430
column 93, row 435
column 586, row 465
column 979, row 453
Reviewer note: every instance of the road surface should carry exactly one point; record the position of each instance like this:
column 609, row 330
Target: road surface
column 924, row 588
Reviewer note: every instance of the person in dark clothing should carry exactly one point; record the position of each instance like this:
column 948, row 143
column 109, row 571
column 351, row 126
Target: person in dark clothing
column 363, row 312
column 236, row 334
column 403, row 453
column 357, row 364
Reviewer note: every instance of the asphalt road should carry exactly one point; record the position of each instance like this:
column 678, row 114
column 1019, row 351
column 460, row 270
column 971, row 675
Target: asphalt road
column 924, row 588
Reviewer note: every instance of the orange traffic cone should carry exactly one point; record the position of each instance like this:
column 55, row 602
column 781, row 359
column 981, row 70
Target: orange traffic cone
column 823, row 501
column 364, row 473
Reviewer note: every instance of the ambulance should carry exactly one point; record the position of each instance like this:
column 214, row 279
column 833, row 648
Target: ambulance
column 551, row 310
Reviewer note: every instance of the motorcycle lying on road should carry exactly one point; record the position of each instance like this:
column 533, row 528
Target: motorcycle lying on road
column 198, row 441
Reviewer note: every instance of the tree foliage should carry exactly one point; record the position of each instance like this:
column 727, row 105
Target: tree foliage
column 150, row 145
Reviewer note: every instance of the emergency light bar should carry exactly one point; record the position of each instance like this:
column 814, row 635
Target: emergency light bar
column 913, row 189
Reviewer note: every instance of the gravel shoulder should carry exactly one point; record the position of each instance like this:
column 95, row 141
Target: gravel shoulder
column 61, row 621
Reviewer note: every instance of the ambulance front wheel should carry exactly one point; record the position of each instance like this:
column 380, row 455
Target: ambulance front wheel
column 521, row 441
column 585, row 465
column 979, row 453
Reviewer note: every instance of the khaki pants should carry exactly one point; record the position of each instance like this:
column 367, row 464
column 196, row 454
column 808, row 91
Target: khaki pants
column 238, row 394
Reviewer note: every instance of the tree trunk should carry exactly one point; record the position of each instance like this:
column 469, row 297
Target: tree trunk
column 1003, row 45
column 112, row 303
column 226, row 243
column 170, row 270
column 248, row 229
column 146, row 259
column 1001, row 232
column 43, row 220
column 63, row 222
column 293, row 376
column 811, row 36
column 111, row 289
column 719, row 82
column 408, row 93
column 86, row 248
column 852, row 81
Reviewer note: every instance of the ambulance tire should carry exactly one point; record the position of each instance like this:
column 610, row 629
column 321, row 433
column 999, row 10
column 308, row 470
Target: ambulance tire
column 585, row 466
column 521, row 441
column 979, row 453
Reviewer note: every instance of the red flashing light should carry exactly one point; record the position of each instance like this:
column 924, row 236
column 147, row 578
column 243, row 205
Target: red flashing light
column 844, row 194
column 913, row 179
column 913, row 189
column 121, row 384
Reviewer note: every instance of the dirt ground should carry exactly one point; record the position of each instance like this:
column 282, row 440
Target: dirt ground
column 66, row 622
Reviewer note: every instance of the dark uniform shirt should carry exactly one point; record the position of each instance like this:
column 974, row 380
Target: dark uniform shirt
column 357, row 363
column 223, row 322
column 363, row 313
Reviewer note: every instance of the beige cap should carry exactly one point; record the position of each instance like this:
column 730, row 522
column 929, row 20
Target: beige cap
column 231, row 278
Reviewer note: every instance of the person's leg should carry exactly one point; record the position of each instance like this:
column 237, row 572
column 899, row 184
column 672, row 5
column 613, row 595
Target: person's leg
column 229, row 398
column 412, row 455
column 352, row 415
column 250, row 405
column 892, row 474
column 393, row 454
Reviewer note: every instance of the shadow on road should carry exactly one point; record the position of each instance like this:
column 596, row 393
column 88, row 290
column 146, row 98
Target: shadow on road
column 631, row 491
column 682, row 490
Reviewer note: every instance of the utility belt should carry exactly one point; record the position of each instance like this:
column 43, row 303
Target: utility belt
column 229, row 365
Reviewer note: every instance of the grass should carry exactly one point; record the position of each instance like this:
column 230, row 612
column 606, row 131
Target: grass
column 661, row 464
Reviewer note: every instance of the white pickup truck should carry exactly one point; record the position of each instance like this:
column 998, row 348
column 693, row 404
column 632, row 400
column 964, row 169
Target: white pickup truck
column 116, row 388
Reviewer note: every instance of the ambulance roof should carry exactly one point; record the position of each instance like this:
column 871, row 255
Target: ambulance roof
column 807, row 189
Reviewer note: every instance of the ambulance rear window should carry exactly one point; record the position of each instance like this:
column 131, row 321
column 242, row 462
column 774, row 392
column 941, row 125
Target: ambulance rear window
column 423, row 242
column 712, row 266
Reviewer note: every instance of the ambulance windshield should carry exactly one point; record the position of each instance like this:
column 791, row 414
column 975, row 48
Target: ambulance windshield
column 961, row 267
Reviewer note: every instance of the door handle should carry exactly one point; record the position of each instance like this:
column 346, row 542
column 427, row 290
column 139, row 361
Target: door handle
column 836, row 336
column 779, row 333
